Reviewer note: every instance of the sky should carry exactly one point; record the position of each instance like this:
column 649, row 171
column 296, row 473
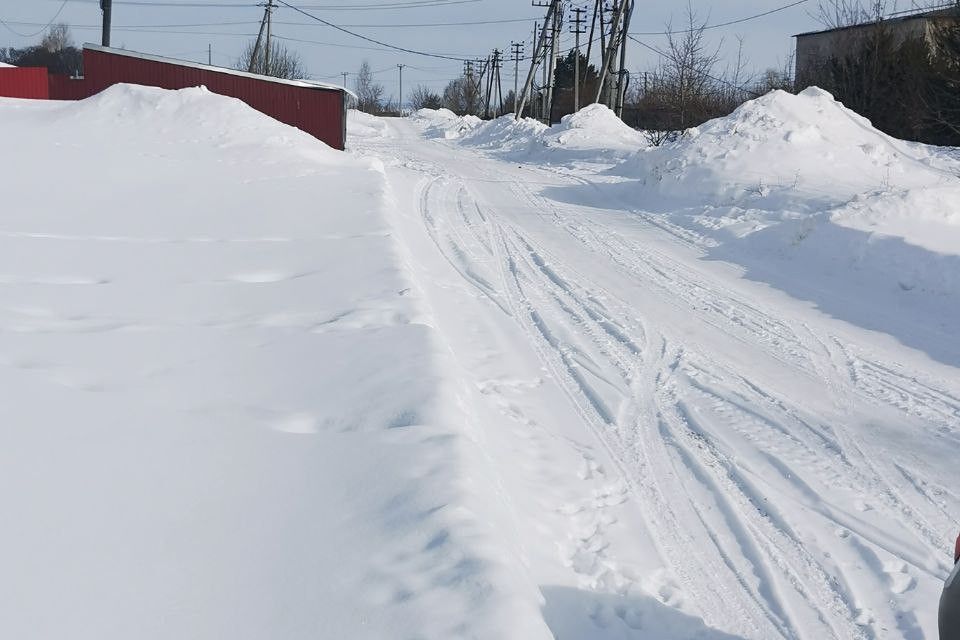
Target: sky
column 186, row 28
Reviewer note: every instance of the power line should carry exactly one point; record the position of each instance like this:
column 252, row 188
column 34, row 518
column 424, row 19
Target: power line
column 42, row 29
column 368, row 39
column 723, row 24
column 664, row 54
column 280, row 22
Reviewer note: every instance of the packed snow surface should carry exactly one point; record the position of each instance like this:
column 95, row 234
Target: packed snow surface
column 473, row 379
column 719, row 376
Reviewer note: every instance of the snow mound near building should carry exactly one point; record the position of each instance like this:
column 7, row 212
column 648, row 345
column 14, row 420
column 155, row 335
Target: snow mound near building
column 4, row 65
column 784, row 150
column 365, row 125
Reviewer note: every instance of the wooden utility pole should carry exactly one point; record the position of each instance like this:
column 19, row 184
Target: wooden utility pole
column 256, row 47
column 266, row 57
column 577, row 30
column 400, row 105
column 344, row 74
column 107, row 7
column 623, row 74
column 617, row 36
column 497, row 65
column 540, row 51
column 209, row 54
column 554, row 56
column 593, row 27
column 517, row 50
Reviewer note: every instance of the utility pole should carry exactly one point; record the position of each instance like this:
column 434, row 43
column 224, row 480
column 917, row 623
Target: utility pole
column 623, row 75
column 400, row 105
column 344, row 74
column 517, row 50
column 593, row 28
column 209, row 54
column 107, row 7
column 577, row 30
column 554, row 56
column 256, row 47
column 617, row 36
column 266, row 57
column 489, row 89
column 554, row 8
column 497, row 64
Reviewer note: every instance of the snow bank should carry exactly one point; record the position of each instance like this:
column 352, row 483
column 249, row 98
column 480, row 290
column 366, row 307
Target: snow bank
column 225, row 414
column 443, row 123
column 364, row 124
column 803, row 182
column 783, row 150
column 594, row 127
column 595, row 133
column 4, row 65
column 505, row 134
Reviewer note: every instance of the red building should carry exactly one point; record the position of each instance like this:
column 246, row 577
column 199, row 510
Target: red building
column 316, row 108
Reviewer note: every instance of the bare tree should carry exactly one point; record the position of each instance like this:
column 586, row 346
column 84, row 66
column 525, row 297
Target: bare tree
column 423, row 98
column 369, row 92
column 462, row 96
column 57, row 38
column 834, row 14
column 687, row 71
column 284, row 63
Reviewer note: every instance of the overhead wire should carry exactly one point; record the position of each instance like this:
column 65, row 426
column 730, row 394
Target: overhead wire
column 42, row 29
column 369, row 39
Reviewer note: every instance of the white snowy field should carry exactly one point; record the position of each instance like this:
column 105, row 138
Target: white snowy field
column 467, row 380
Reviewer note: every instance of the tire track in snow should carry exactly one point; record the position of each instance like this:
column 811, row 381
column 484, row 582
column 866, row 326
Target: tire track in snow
column 611, row 363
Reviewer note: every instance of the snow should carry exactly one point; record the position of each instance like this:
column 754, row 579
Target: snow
column 474, row 379
column 592, row 134
column 4, row 65
column 721, row 403
column 784, row 151
column 225, row 410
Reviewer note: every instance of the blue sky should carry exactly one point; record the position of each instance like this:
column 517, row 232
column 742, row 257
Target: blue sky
column 228, row 25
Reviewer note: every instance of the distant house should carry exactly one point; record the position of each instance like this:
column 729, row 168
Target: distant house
column 816, row 48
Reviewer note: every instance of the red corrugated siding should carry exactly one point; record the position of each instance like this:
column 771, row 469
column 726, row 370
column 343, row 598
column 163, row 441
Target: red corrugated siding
column 319, row 112
column 24, row 82
column 67, row 88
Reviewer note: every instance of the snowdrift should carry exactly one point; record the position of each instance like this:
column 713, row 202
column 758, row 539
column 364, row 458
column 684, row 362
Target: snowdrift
column 778, row 151
column 226, row 414
column 594, row 133
column 802, row 182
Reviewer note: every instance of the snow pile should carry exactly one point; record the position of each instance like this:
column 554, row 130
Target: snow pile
column 594, row 127
column 803, row 179
column 4, row 65
column 443, row 123
column 784, row 150
column 225, row 412
column 506, row 134
column 594, row 134
column 364, row 124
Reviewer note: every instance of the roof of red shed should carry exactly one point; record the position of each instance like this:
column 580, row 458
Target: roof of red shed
column 306, row 84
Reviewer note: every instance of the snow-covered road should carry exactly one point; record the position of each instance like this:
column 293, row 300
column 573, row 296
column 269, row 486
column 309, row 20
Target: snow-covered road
column 679, row 451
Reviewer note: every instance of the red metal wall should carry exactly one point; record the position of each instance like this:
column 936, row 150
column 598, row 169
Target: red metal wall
column 319, row 112
column 24, row 82
column 67, row 88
